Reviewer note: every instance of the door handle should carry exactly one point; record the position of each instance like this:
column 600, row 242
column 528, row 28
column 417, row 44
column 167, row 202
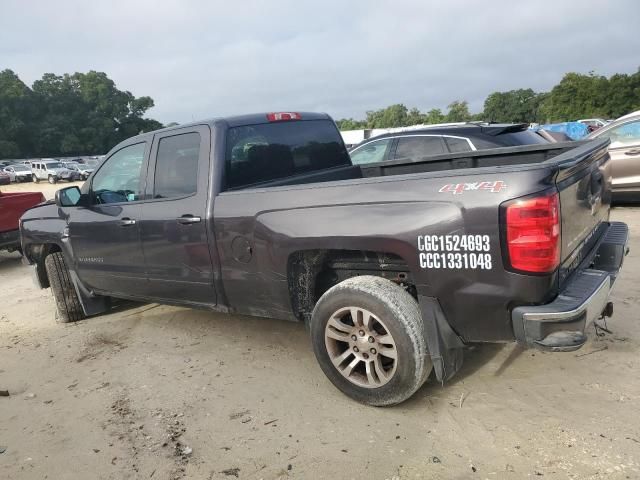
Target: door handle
column 188, row 219
column 125, row 222
column 635, row 151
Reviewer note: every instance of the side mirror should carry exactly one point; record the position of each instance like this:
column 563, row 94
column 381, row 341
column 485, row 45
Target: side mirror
column 68, row 197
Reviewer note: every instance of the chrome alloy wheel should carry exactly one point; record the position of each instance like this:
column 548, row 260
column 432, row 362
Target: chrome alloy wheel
column 361, row 347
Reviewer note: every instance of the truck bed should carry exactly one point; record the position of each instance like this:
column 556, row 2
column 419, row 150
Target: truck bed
column 495, row 157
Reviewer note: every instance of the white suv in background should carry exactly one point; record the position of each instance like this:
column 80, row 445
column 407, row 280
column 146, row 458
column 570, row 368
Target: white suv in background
column 52, row 171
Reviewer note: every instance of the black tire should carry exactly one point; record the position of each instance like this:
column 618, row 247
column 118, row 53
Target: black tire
column 35, row 178
column 67, row 302
column 402, row 319
column 52, row 179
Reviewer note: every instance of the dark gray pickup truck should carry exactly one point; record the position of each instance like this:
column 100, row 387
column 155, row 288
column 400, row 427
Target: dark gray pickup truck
column 393, row 266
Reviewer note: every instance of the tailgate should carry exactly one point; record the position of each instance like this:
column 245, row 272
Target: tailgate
column 584, row 183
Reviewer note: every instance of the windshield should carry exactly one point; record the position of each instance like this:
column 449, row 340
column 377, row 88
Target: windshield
column 73, row 165
column 54, row 165
column 20, row 168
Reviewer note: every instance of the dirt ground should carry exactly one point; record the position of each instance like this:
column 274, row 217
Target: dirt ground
column 160, row 392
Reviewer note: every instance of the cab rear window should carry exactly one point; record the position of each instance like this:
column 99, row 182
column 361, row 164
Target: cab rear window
column 271, row 151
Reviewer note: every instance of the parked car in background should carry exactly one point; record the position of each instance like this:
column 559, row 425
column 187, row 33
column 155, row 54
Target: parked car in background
column 5, row 178
column 19, row 172
column 624, row 149
column 432, row 141
column 12, row 206
column 52, row 171
column 83, row 169
column 594, row 124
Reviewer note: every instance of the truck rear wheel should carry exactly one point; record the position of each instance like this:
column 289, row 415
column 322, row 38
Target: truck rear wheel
column 67, row 302
column 368, row 337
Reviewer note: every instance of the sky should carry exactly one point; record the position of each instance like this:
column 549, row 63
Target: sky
column 202, row 59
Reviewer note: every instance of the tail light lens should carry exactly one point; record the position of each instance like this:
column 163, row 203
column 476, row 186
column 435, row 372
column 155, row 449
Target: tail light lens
column 533, row 233
column 283, row 116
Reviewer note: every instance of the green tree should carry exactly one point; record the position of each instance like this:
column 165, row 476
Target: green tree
column 414, row 117
column 87, row 113
column 577, row 96
column 392, row 116
column 458, row 111
column 350, row 124
column 515, row 106
column 623, row 94
column 434, row 115
column 83, row 113
column 17, row 114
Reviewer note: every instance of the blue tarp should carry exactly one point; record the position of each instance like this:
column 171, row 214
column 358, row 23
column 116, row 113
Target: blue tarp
column 573, row 130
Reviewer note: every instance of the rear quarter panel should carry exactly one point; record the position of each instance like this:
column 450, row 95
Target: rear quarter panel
column 385, row 215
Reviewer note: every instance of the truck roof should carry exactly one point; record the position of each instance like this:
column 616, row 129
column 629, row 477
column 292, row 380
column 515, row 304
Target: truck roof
column 237, row 121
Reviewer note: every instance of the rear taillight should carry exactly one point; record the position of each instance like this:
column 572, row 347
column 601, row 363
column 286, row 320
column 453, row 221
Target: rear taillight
column 283, row 116
column 533, row 233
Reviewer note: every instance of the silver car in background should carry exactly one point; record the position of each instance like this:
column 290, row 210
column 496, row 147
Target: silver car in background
column 624, row 134
column 82, row 169
column 18, row 172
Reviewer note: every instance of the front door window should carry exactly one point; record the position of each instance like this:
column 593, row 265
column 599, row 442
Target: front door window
column 120, row 177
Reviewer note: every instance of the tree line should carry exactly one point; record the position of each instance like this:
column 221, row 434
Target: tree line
column 576, row 96
column 86, row 114
column 78, row 114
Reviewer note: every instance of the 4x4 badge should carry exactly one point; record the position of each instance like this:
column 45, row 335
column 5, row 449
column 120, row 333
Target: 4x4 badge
column 459, row 188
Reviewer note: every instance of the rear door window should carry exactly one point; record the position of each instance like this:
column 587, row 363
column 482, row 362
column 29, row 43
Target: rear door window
column 419, row 146
column 176, row 172
column 272, row 151
column 457, row 145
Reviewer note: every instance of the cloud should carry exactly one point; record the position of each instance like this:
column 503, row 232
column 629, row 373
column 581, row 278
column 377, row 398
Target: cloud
column 199, row 59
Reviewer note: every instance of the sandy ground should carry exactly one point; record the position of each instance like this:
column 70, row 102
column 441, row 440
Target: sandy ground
column 166, row 393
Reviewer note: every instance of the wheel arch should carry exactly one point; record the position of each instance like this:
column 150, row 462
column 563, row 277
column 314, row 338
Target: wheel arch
column 36, row 253
column 310, row 273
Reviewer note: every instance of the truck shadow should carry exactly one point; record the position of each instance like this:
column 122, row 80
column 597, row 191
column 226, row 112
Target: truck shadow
column 10, row 260
column 476, row 356
column 256, row 332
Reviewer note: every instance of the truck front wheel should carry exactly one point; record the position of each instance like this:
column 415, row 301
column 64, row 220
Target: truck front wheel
column 64, row 293
column 52, row 179
column 368, row 338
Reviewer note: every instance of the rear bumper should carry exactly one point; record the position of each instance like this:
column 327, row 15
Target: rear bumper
column 560, row 325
